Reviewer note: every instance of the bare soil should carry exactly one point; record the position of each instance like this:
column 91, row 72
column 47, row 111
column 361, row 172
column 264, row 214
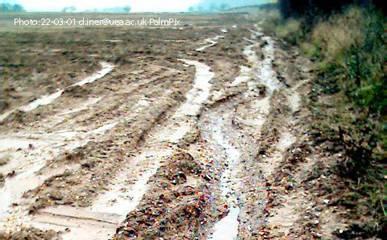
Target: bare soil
column 175, row 141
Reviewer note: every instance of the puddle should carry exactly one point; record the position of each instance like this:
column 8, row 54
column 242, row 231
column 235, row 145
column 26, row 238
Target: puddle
column 232, row 153
column 267, row 74
column 48, row 99
column 227, row 227
column 42, row 101
column 106, row 68
column 174, row 131
column 262, row 69
column 244, row 76
column 212, row 42
column 122, row 199
column 200, row 91
column 114, row 40
column 30, row 153
column 130, row 185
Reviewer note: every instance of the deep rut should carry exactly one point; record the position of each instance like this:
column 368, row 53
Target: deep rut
column 198, row 174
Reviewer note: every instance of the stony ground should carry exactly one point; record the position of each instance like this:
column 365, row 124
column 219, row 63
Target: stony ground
column 191, row 133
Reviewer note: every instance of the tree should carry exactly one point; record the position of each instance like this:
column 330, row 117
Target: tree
column 224, row 6
column 6, row 7
column 290, row 8
column 18, row 8
column 127, row 9
column 69, row 9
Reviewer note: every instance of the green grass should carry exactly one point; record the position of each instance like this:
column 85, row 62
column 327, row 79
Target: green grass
column 349, row 53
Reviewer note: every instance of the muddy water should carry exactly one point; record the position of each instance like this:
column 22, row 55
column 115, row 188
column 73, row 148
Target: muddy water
column 122, row 199
column 227, row 228
column 266, row 72
column 244, row 76
column 48, row 99
column 29, row 153
column 44, row 100
column 220, row 130
column 106, row 68
column 173, row 131
column 130, row 185
column 225, row 128
column 212, row 42
column 200, row 91
column 229, row 143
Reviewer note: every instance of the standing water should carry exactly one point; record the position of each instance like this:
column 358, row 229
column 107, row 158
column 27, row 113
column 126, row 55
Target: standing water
column 48, row 99
column 227, row 228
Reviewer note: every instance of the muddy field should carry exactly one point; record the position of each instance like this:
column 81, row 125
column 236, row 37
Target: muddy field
column 195, row 132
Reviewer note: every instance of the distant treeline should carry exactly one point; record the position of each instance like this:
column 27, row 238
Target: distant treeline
column 291, row 8
column 7, row 7
column 123, row 9
column 222, row 5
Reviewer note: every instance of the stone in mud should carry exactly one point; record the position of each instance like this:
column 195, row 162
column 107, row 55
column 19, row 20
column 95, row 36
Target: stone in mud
column 262, row 90
column 11, row 174
column 179, row 178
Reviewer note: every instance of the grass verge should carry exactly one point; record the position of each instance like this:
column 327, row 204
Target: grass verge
column 348, row 102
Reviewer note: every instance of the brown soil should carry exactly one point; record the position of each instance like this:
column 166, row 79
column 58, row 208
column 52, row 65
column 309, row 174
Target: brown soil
column 248, row 147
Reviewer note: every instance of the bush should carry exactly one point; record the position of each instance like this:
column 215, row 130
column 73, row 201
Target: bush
column 290, row 31
column 338, row 33
column 350, row 54
column 352, row 44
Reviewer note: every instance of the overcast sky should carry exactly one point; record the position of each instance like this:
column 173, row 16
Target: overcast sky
column 136, row 5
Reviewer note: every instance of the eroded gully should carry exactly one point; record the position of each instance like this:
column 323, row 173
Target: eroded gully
column 233, row 146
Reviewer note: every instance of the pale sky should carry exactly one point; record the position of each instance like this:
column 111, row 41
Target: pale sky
column 136, row 5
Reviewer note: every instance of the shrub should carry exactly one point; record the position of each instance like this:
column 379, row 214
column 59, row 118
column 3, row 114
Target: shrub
column 350, row 54
column 290, row 31
column 355, row 48
column 338, row 33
